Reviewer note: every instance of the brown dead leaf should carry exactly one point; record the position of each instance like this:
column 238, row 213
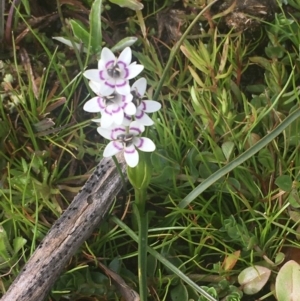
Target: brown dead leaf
column 231, row 260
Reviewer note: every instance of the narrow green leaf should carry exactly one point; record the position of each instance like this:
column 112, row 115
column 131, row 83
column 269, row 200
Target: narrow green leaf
column 151, row 265
column 95, row 26
column 165, row 262
column 239, row 160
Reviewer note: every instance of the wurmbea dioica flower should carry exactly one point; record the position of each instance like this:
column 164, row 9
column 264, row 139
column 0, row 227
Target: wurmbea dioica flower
column 118, row 104
column 113, row 73
column 127, row 141
column 138, row 90
column 112, row 107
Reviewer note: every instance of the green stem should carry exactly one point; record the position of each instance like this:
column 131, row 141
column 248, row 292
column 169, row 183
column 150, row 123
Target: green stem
column 140, row 199
column 142, row 222
column 164, row 261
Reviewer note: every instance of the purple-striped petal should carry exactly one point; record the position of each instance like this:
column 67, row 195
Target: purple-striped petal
column 106, row 133
column 94, row 105
column 130, row 108
column 92, row 74
column 122, row 87
column 126, row 120
column 128, row 98
column 110, row 83
column 107, row 57
column 105, row 89
column 106, row 120
column 112, row 148
column 134, row 70
column 120, row 82
column 124, row 70
column 150, row 106
column 103, row 75
column 131, row 156
column 111, row 133
column 143, row 118
column 136, row 128
column 116, row 131
column 118, row 116
column 96, row 87
column 125, row 56
column 144, row 144
column 140, row 86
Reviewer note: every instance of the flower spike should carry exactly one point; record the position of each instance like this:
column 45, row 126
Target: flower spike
column 138, row 90
column 112, row 107
column 113, row 74
column 129, row 142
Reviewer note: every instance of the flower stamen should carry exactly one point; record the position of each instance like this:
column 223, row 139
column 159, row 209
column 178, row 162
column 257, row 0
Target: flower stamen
column 114, row 72
column 125, row 139
column 136, row 97
column 109, row 100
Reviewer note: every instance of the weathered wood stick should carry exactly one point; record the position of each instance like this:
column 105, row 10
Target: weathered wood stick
column 86, row 211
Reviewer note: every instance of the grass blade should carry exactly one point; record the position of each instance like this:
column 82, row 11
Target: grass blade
column 239, row 160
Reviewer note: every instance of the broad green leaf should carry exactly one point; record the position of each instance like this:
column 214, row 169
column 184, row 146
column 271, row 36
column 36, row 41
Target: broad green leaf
column 80, row 32
column 265, row 63
column 274, row 52
column 179, row 293
column 227, row 148
column 95, row 26
column 253, row 279
column 69, row 43
column 257, row 89
column 5, row 248
column 265, row 159
column 211, row 291
column 19, row 243
column 284, row 182
column 294, row 199
column 115, row 264
column 279, row 258
column 26, row 4
column 287, row 286
column 126, row 42
column 294, row 215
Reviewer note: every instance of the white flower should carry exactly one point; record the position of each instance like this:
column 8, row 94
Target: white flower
column 127, row 141
column 142, row 106
column 111, row 107
column 113, row 73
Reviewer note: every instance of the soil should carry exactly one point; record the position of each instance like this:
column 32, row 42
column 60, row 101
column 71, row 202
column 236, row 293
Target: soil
column 242, row 15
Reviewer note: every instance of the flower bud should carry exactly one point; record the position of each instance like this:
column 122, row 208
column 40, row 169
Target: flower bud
column 140, row 176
